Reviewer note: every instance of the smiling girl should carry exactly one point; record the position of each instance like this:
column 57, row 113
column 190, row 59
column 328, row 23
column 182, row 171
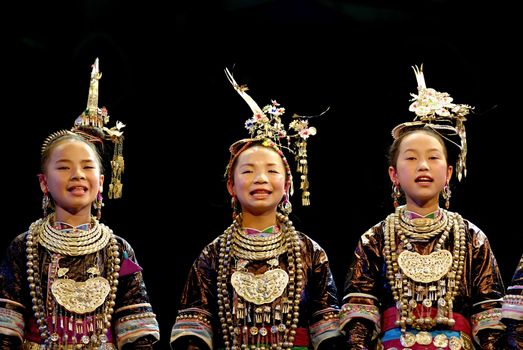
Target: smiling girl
column 69, row 282
column 261, row 284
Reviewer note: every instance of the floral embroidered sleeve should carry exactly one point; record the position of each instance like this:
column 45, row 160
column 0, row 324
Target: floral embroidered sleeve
column 12, row 289
column 512, row 310
column 195, row 314
column 135, row 319
column 324, row 324
column 487, row 291
column 360, row 314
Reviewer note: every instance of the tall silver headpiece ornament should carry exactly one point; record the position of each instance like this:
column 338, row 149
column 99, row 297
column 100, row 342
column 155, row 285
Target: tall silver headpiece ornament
column 91, row 126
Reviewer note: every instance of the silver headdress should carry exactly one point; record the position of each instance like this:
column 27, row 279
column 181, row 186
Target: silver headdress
column 266, row 126
column 435, row 110
column 90, row 125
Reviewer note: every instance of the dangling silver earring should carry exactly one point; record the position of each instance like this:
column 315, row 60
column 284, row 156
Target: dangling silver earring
column 46, row 203
column 285, row 205
column 234, row 207
column 446, row 193
column 396, row 194
column 98, row 204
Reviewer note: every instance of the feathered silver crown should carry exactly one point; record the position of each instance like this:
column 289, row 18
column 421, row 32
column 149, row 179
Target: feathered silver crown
column 266, row 126
column 435, row 110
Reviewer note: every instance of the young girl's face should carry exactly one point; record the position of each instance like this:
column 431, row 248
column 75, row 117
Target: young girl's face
column 72, row 177
column 259, row 180
column 421, row 169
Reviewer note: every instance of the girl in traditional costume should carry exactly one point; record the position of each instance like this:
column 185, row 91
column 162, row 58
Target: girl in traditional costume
column 424, row 278
column 261, row 284
column 69, row 282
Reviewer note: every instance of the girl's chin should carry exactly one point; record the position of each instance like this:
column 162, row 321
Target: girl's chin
column 260, row 210
column 77, row 210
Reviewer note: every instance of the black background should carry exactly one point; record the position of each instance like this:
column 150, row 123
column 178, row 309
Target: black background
column 162, row 68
